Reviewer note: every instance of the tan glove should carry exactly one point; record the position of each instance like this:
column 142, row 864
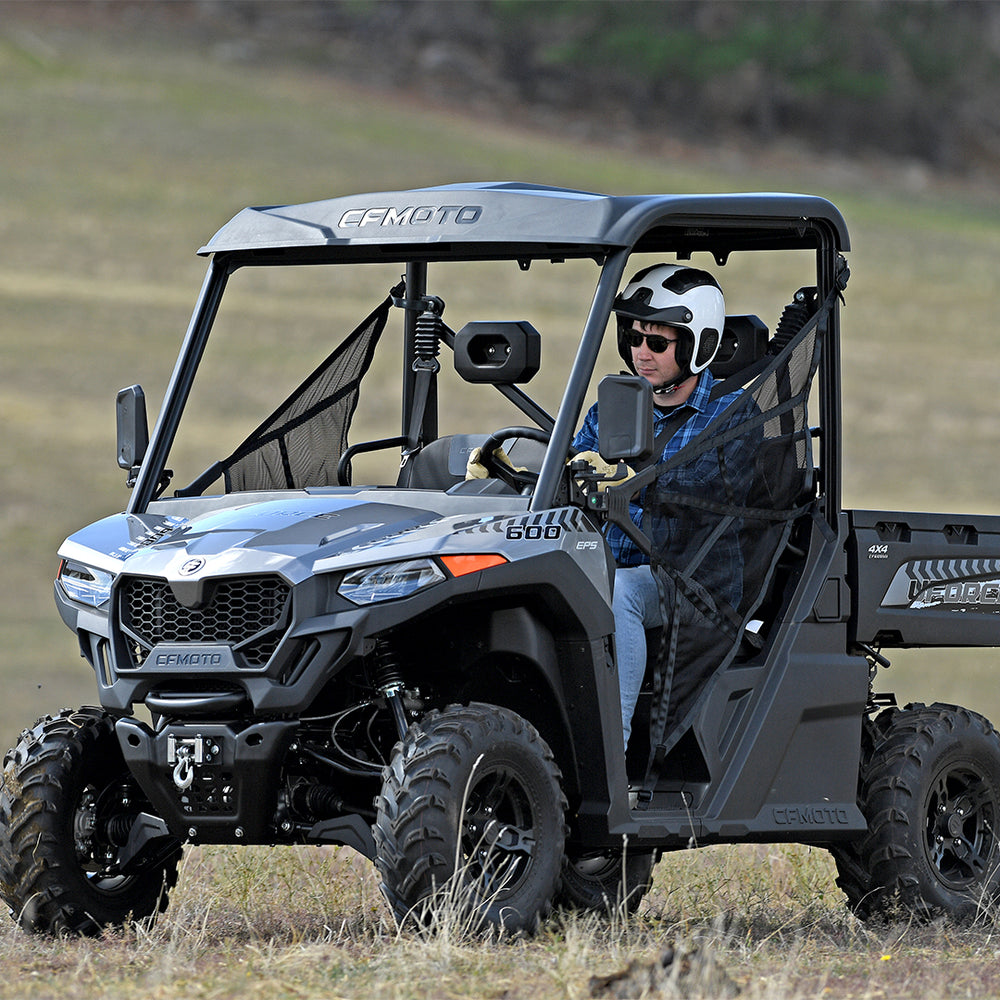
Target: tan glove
column 603, row 468
column 474, row 469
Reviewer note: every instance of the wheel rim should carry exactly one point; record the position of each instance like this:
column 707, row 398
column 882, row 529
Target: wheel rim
column 498, row 833
column 96, row 858
column 961, row 814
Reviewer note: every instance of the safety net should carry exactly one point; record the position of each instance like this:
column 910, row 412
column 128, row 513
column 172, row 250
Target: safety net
column 719, row 513
column 300, row 444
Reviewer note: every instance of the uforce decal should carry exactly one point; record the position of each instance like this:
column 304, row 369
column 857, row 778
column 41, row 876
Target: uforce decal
column 412, row 215
column 960, row 593
column 947, row 584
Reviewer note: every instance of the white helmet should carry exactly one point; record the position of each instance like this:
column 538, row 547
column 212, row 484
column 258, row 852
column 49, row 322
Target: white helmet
column 686, row 298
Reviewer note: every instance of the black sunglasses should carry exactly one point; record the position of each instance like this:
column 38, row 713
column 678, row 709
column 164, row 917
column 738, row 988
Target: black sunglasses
column 654, row 341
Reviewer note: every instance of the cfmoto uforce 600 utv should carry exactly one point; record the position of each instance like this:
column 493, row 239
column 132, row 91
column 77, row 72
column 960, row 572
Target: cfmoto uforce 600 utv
column 314, row 624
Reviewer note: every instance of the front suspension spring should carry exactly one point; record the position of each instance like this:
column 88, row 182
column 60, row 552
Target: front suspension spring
column 389, row 682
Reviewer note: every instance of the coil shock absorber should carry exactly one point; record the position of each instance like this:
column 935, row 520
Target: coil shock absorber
column 793, row 318
column 428, row 329
column 389, row 681
column 427, row 333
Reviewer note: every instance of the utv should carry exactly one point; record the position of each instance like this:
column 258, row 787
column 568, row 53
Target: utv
column 314, row 633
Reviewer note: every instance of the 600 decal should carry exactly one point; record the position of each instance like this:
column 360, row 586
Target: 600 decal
column 533, row 532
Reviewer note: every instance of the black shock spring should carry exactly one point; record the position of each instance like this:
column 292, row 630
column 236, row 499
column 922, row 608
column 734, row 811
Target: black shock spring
column 389, row 682
column 118, row 828
column 388, row 675
column 428, row 329
column 793, row 318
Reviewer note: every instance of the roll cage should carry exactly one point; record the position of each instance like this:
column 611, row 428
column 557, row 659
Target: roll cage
column 522, row 223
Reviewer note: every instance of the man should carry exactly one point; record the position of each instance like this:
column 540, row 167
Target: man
column 670, row 322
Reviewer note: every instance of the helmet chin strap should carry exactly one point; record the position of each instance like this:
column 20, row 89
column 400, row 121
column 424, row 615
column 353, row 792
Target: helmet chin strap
column 669, row 388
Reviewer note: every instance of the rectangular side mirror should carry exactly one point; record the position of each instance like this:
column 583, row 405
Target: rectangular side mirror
column 625, row 428
column 133, row 430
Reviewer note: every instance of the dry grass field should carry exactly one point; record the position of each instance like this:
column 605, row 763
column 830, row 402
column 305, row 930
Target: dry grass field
column 121, row 153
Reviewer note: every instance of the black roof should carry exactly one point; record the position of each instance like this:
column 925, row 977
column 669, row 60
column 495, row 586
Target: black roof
column 480, row 220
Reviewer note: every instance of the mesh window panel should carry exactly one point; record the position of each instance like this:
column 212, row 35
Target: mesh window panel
column 300, row 444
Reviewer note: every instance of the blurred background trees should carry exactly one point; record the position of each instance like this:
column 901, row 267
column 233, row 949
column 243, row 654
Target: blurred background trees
column 916, row 79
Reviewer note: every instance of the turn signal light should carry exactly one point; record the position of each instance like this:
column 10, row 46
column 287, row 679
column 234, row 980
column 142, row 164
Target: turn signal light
column 461, row 565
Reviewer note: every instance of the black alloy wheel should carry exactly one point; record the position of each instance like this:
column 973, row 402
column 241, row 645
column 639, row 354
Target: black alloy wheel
column 471, row 821
column 930, row 789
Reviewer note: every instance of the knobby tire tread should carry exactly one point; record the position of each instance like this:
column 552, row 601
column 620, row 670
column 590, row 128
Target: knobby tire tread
column 882, row 873
column 422, row 788
column 40, row 879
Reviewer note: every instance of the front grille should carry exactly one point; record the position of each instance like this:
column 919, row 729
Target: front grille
column 249, row 613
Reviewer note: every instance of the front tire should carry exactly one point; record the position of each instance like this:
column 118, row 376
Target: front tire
column 471, row 819
column 930, row 791
column 63, row 789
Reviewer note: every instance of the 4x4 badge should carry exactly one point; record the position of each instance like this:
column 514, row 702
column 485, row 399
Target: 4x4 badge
column 192, row 566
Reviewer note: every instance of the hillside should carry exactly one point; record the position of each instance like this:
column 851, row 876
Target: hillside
column 127, row 144
column 127, row 141
column 897, row 85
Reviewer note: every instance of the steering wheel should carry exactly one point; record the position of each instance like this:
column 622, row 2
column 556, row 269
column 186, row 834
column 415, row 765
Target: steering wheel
column 496, row 469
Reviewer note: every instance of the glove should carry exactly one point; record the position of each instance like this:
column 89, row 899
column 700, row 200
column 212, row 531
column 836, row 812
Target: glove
column 474, row 469
column 604, row 469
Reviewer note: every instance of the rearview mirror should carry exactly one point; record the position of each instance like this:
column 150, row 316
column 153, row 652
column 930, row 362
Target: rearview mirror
column 501, row 353
column 133, row 430
column 625, row 427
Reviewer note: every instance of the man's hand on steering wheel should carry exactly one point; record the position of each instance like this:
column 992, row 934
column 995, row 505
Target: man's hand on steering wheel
column 489, row 460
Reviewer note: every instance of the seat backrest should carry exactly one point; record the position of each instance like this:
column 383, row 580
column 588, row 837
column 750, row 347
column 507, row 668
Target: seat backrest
column 441, row 463
column 744, row 341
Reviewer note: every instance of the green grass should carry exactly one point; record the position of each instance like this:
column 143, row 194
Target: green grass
column 121, row 155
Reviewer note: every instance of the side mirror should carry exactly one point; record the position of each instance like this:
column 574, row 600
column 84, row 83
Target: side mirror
column 625, row 429
column 133, row 430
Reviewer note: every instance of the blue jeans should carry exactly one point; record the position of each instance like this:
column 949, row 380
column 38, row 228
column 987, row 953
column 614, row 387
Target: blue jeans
column 636, row 606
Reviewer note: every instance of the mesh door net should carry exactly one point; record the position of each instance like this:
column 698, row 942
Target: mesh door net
column 719, row 513
column 300, row 444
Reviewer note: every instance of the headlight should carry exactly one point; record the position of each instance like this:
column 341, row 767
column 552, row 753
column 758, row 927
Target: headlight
column 390, row 581
column 85, row 584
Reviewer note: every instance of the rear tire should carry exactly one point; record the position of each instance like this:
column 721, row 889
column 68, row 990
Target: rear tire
column 605, row 882
column 930, row 791
column 61, row 786
column 471, row 821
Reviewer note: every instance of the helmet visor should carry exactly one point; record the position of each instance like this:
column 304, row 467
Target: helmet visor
column 630, row 309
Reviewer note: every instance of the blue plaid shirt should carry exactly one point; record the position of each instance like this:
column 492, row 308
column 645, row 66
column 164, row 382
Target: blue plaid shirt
column 689, row 477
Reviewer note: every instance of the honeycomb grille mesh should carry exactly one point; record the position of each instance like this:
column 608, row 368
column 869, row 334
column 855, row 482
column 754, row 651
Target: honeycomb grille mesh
column 245, row 612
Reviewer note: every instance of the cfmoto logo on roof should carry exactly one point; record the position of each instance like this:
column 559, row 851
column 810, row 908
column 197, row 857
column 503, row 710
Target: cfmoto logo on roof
column 413, row 215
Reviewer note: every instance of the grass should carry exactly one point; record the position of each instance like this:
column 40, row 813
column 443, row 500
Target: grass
column 303, row 923
column 122, row 153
